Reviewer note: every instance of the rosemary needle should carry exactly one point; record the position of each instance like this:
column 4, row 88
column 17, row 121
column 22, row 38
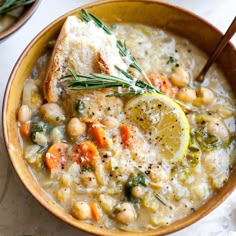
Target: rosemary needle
column 127, row 85
column 162, row 200
column 124, row 52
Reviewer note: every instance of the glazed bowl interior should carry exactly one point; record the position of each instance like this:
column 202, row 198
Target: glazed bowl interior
column 27, row 13
column 152, row 13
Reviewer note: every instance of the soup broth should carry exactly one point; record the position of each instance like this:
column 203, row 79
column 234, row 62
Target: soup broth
column 102, row 167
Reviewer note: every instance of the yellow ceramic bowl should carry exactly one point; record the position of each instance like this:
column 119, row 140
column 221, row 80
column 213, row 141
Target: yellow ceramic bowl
column 150, row 12
column 26, row 14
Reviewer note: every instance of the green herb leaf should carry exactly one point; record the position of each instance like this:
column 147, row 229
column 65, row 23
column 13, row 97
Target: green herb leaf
column 188, row 165
column 86, row 168
column 208, row 142
column 133, row 181
column 37, row 127
column 173, row 61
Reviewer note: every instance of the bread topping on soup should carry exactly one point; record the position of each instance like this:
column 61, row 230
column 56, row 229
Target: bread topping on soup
column 118, row 147
column 84, row 48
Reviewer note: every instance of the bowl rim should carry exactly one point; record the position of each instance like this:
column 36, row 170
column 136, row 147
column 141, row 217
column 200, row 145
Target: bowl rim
column 22, row 20
column 96, row 230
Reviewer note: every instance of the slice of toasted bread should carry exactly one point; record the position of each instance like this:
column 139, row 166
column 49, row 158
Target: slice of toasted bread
column 84, row 48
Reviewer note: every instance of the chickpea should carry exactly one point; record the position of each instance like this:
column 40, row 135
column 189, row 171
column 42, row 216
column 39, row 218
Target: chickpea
column 199, row 190
column 75, row 128
column 51, row 112
column 180, row 77
column 158, row 177
column 63, row 194
column 41, row 139
column 88, row 179
column 138, row 191
column 158, row 174
column 217, row 127
column 24, row 114
column 187, row 95
column 110, row 122
column 126, row 213
column 66, row 179
column 56, row 135
column 81, row 210
column 206, row 95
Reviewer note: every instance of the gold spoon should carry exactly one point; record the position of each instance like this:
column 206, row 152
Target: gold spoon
column 218, row 49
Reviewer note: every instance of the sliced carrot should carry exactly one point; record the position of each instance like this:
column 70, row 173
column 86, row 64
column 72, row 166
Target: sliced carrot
column 95, row 212
column 159, row 81
column 56, row 156
column 85, row 153
column 128, row 135
column 99, row 134
column 163, row 84
column 173, row 91
column 25, row 131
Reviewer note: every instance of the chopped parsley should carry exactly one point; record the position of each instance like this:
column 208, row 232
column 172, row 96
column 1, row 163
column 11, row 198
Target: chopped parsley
column 173, row 61
column 86, row 168
column 37, row 127
column 133, row 181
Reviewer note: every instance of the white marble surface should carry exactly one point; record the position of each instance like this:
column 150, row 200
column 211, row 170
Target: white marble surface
column 20, row 214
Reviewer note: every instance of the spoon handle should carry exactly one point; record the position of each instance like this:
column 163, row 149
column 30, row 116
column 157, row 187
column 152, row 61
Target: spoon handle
column 218, row 49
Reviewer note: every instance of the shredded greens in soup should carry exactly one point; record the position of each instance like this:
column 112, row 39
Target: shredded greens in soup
column 120, row 135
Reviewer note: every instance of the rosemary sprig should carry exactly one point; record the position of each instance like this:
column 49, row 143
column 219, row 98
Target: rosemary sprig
column 131, row 85
column 124, row 52
column 6, row 6
column 85, row 16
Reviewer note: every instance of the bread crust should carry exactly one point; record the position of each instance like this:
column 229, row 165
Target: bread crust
column 85, row 49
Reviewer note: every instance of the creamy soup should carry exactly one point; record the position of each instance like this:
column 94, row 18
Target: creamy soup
column 107, row 168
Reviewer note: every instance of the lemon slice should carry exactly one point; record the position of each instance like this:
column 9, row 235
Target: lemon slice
column 163, row 122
